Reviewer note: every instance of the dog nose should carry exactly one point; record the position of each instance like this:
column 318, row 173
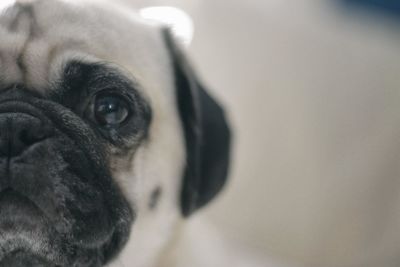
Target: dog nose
column 19, row 131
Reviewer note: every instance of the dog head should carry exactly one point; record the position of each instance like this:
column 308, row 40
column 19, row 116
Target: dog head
column 107, row 138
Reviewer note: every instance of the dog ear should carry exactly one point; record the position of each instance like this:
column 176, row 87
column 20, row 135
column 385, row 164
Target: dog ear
column 207, row 135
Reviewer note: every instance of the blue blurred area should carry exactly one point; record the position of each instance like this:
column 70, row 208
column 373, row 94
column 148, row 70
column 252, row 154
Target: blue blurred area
column 391, row 7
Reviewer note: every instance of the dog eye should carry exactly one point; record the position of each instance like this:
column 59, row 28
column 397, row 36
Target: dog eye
column 110, row 110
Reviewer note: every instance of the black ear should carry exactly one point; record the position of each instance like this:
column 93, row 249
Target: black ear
column 207, row 135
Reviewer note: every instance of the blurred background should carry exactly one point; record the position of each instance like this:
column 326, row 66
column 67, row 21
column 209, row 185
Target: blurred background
column 312, row 88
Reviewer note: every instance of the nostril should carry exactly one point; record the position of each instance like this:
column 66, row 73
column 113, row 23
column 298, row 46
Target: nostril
column 26, row 137
column 31, row 136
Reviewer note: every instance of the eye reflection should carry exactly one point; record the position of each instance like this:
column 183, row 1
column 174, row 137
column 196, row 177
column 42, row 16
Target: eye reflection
column 110, row 110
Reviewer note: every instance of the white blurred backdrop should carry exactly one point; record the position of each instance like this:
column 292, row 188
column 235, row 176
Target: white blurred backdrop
column 313, row 92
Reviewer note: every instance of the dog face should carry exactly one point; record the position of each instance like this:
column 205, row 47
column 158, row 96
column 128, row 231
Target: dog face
column 107, row 139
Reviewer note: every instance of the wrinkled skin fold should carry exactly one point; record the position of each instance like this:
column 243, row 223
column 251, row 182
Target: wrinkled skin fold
column 59, row 205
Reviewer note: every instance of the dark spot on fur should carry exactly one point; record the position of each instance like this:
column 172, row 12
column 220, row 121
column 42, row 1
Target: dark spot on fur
column 155, row 197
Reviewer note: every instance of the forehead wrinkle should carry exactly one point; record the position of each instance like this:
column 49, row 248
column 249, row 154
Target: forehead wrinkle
column 56, row 51
column 36, row 54
column 23, row 20
column 23, row 11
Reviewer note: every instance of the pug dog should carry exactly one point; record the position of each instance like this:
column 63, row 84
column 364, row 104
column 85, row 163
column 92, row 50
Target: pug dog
column 108, row 141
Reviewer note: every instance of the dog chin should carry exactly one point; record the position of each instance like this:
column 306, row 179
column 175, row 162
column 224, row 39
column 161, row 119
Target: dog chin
column 25, row 232
column 23, row 258
column 29, row 239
